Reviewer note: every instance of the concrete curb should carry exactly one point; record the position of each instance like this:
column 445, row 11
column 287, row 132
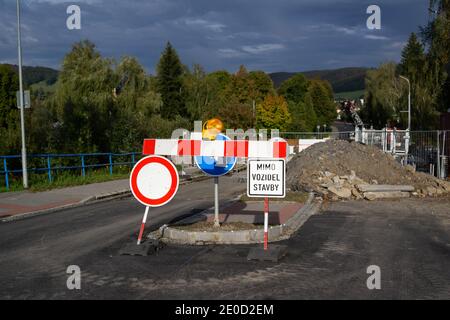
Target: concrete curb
column 86, row 201
column 276, row 233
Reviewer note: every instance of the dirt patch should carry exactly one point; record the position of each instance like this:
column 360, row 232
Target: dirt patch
column 339, row 166
column 209, row 226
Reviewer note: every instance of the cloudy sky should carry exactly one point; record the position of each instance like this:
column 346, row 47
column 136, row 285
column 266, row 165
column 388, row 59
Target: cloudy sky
column 269, row 35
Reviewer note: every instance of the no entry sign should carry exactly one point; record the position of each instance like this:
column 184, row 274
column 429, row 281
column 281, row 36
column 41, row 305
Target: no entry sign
column 154, row 181
column 266, row 178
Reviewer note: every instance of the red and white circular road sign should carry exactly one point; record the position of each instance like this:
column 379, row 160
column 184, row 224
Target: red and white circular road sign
column 154, row 181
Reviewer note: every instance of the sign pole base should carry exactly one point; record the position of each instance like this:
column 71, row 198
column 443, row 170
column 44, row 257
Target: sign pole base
column 141, row 231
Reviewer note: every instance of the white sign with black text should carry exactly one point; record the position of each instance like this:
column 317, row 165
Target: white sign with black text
column 266, row 178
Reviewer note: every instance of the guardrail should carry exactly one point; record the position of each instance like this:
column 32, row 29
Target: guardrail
column 85, row 161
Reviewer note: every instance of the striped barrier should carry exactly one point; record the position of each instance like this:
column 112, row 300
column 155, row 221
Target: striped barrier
column 233, row 148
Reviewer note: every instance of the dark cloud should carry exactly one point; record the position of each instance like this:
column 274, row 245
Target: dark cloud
column 285, row 35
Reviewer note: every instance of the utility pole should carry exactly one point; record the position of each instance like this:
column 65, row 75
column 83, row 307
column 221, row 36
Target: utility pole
column 21, row 102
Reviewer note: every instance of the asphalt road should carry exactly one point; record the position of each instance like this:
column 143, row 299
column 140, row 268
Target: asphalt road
column 327, row 259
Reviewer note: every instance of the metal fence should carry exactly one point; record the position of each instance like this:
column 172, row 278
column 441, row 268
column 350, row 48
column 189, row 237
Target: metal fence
column 50, row 164
column 427, row 151
column 347, row 135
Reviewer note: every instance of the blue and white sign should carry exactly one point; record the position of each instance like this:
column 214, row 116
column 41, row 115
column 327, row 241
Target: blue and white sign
column 216, row 166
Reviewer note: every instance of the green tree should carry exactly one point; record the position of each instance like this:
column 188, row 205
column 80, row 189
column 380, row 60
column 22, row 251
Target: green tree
column 384, row 92
column 323, row 101
column 169, row 75
column 294, row 89
column 236, row 115
column 134, row 106
column 263, row 85
column 83, row 100
column 273, row 113
column 9, row 114
column 415, row 66
column 413, row 60
column 200, row 92
column 222, row 78
column 303, row 116
column 242, row 87
column 437, row 37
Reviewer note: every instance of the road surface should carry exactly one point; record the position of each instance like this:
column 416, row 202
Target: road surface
column 409, row 240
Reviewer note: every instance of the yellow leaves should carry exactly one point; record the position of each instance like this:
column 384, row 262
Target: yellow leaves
column 273, row 113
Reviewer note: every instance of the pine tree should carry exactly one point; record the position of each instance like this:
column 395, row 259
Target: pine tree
column 413, row 59
column 169, row 80
column 436, row 35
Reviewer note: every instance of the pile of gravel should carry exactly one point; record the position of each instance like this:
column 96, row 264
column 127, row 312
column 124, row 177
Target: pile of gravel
column 347, row 164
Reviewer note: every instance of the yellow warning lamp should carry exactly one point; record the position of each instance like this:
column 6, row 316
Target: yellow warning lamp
column 211, row 129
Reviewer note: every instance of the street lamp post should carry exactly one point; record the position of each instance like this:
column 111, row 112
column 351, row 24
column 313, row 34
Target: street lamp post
column 409, row 117
column 409, row 101
column 21, row 102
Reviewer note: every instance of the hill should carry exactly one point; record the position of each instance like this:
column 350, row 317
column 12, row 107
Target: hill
column 342, row 80
column 32, row 75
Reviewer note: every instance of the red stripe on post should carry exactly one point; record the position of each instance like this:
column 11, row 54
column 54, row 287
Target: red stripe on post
column 149, row 147
column 266, row 241
column 184, row 148
column 196, row 147
column 229, row 148
column 279, row 149
column 141, row 232
column 241, row 149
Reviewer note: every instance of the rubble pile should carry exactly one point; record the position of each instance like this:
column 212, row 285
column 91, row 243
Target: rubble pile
column 339, row 169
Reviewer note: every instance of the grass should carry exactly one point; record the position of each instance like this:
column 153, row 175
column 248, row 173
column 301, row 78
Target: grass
column 351, row 95
column 299, row 197
column 39, row 182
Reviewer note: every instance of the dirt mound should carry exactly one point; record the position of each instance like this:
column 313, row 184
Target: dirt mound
column 338, row 165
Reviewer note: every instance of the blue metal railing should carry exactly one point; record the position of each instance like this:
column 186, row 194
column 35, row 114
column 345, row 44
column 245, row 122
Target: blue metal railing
column 49, row 169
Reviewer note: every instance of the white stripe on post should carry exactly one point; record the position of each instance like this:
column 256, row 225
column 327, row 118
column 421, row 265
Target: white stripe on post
column 266, row 224
column 213, row 148
column 260, row 149
column 167, row 147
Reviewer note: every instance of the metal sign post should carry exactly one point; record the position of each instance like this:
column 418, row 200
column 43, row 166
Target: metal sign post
column 21, row 102
column 216, row 202
column 266, row 179
column 154, row 182
column 216, row 166
column 266, row 224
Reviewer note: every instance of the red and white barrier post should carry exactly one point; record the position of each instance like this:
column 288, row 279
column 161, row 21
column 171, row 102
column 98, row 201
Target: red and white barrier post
column 154, row 182
column 266, row 224
column 144, row 221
